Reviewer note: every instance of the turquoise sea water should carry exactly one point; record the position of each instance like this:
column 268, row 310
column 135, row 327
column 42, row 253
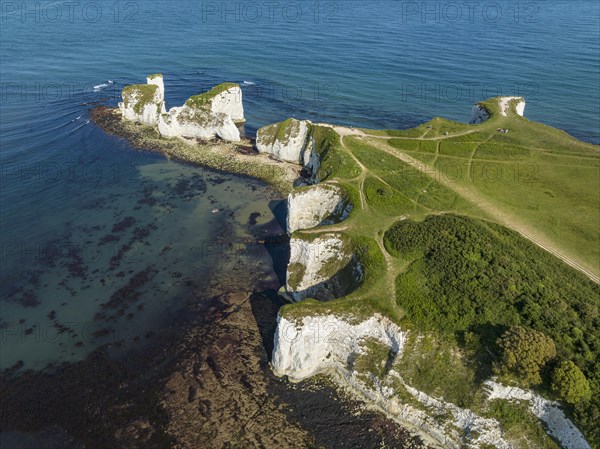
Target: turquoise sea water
column 381, row 64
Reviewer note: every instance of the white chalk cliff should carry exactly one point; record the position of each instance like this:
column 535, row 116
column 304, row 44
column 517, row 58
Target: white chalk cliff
column 290, row 141
column 323, row 268
column 559, row 426
column 186, row 121
column 480, row 114
column 310, row 345
column 144, row 102
column 204, row 116
column 286, row 141
column 505, row 103
column 315, row 344
column 316, row 205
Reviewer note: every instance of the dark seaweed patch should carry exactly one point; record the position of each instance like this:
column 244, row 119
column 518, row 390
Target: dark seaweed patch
column 127, row 295
column 190, row 187
column 29, row 299
column 125, row 223
column 109, row 238
column 253, row 217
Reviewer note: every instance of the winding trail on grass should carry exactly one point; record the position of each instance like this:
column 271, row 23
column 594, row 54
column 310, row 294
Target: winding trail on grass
column 472, row 196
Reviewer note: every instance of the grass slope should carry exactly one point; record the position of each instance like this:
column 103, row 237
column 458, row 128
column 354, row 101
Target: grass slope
column 431, row 210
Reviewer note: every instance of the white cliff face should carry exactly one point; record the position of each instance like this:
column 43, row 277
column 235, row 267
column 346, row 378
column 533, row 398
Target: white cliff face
column 479, row 114
column 312, row 345
column 321, row 268
column 229, row 102
column 559, row 426
column 185, row 121
column 505, row 105
column 158, row 81
column 316, row 205
column 142, row 103
column 315, row 344
column 209, row 115
column 286, row 141
column 312, row 161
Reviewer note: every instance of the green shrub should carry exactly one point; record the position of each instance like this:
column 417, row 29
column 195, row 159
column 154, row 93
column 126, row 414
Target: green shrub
column 570, row 383
column 525, row 352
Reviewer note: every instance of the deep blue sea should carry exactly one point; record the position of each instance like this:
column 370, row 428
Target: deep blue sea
column 85, row 218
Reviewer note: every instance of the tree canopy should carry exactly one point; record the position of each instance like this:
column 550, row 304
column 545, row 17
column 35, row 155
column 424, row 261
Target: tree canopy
column 569, row 382
column 524, row 353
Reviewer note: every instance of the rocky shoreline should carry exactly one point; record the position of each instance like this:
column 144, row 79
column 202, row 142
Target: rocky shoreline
column 238, row 158
column 205, row 381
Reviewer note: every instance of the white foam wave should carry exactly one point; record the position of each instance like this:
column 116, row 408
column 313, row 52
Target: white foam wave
column 100, row 87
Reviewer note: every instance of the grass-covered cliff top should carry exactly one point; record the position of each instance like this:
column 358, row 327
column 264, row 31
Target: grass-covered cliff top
column 140, row 95
column 462, row 231
column 155, row 75
column 204, row 99
column 281, row 132
column 465, row 230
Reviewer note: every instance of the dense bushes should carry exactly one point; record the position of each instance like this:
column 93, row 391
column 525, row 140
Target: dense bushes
column 468, row 276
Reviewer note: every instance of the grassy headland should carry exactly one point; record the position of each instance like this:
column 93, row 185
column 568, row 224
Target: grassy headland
column 435, row 213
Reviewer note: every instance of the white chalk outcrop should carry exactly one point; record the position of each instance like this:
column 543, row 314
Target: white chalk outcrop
column 480, row 114
column 158, row 81
column 144, row 102
column 286, row 141
column 290, row 141
column 321, row 204
column 307, row 345
column 190, row 122
column 322, row 268
column 310, row 345
column 505, row 103
column 229, row 102
column 204, row 116
column 315, row 344
column 559, row 426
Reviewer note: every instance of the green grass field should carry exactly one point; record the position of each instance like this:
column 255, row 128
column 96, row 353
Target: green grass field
column 463, row 231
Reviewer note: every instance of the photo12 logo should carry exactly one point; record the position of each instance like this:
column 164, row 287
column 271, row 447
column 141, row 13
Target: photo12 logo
column 269, row 12
column 469, row 12
column 69, row 12
column 471, row 91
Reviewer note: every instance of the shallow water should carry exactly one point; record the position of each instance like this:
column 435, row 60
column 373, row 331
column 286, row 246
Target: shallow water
column 119, row 258
column 65, row 184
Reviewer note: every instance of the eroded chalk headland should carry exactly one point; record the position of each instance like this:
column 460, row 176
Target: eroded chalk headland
column 416, row 255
